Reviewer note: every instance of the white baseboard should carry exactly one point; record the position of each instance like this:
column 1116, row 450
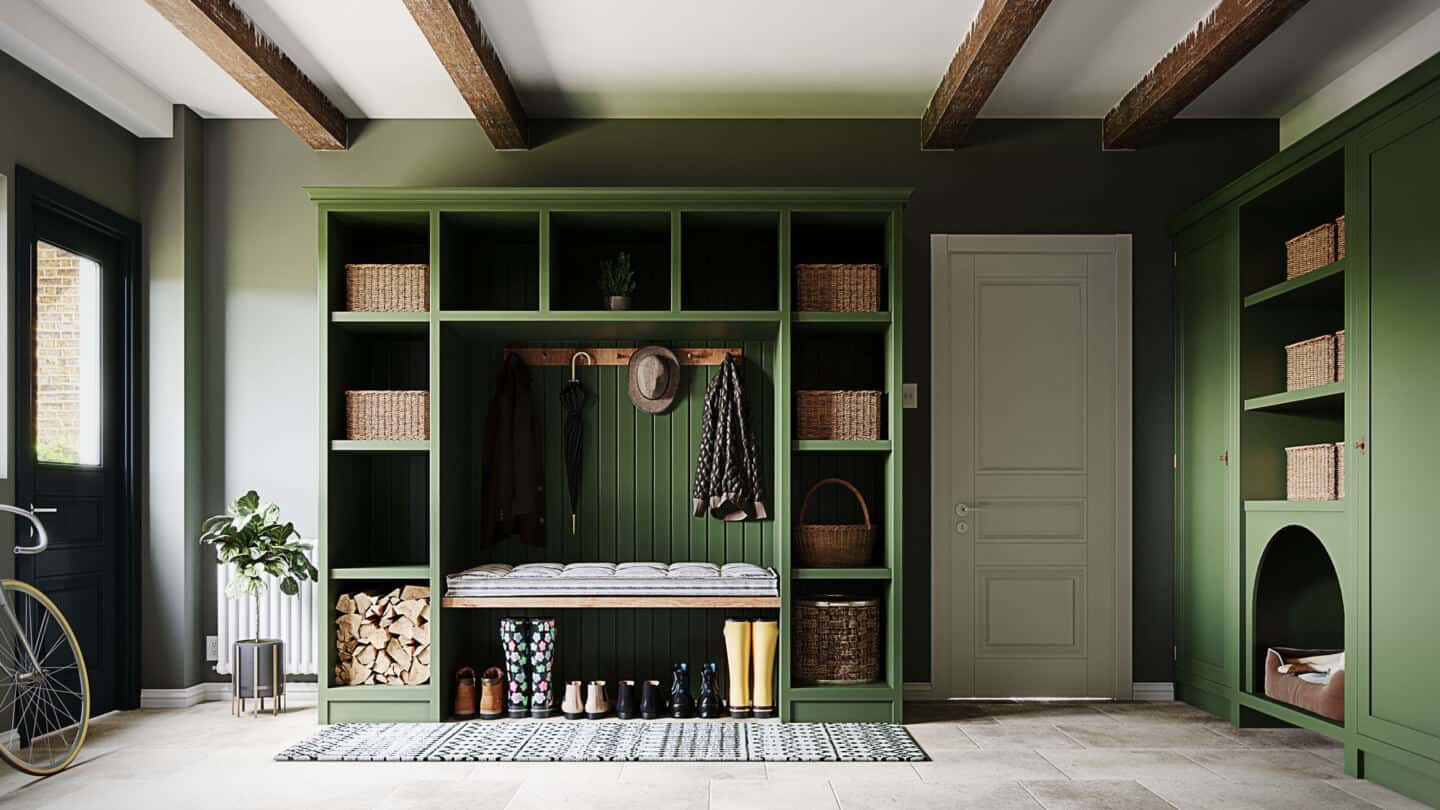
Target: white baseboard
column 206, row 693
column 1152, row 691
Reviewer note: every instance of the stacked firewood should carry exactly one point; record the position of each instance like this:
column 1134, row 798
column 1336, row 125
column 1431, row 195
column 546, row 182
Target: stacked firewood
column 383, row 637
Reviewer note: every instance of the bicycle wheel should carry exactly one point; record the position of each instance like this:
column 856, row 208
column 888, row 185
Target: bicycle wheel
column 46, row 711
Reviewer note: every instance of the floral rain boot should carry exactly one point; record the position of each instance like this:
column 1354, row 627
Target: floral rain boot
column 542, row 667
column 514, row 641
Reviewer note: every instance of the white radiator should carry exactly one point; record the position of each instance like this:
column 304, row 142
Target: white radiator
column 288, row 618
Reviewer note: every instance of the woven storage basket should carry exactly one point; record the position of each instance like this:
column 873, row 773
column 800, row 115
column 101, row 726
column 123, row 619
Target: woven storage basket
column 387, row 287
column 1310, row 363
column 1339, row 469
column 1340, row 355
column 1311, row 250
column 1310, row 472
column 819, row 545
column 837, row 640
column 387, row 415
column 852, row 415
column 837, row 287
column 1340, row 238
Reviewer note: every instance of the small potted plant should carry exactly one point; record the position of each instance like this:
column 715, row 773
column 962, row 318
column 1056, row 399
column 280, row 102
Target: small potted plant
column 251, row 537
column 617, row 281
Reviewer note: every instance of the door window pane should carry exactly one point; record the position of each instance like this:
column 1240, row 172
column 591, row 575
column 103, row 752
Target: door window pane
column 67, row 357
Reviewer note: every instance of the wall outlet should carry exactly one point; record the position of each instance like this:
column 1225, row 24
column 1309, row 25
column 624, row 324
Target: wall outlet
column 910, row 395
column 212, row 648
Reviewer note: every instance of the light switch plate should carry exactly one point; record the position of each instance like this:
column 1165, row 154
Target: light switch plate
column 212, row 648
column 910, row 395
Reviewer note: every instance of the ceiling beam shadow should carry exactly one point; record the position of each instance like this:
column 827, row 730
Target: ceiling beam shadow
column 1221, row 40
column 996, row 36
column 458, row 39
column 233, row 42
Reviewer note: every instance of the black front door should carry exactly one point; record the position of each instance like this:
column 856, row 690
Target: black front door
column 75, row 411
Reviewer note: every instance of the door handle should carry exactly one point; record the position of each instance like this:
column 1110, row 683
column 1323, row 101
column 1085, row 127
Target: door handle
column 43, row 510
column 963, row 509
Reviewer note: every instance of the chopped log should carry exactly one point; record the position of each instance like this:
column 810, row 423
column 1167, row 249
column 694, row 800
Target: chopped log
column 419, row 673
column 398, row 654
column 424, row 656
column 422, row 633
column 365, row 656
column 413, row 592
column 403, row 628
column 363, row 602
column 410, row 608
column 373, row 635
column 345, row 604
column 348, row 625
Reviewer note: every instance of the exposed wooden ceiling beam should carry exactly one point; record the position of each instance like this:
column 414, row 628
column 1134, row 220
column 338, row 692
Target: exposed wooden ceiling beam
column 454, row 31
column 228, row 37
column 1221, row 40
column 1000, row 29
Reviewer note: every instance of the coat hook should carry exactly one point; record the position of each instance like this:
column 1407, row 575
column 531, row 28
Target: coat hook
column 589, row 361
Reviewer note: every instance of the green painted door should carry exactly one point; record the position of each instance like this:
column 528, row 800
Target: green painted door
column 1399, row 167
column 1207, row 284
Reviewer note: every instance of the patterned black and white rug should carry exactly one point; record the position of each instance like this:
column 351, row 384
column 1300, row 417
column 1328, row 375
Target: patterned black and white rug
column 564, row 741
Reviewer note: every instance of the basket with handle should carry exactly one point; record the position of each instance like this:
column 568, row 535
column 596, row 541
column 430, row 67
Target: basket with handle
column 843, row 545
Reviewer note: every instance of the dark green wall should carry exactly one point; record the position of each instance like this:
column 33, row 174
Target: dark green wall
column 261, row 404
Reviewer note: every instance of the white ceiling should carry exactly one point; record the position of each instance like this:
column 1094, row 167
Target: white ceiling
column 741, row 58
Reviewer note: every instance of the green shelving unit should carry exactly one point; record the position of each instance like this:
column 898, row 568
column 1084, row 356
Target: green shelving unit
column 514, row 268
column 1253, row 570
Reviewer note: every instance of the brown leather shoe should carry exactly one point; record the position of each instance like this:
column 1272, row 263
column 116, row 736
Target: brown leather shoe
column 465, row 692
column 492, row 694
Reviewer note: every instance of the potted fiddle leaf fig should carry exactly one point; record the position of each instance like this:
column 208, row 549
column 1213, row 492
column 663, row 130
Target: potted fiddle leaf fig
column 251, row 537
column 617, row 281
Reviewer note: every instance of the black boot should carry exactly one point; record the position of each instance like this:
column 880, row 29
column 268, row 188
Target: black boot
column 708, row 706
column 652, row 700
column 682, row 706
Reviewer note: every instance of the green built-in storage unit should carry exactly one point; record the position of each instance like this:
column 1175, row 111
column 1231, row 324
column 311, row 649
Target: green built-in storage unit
column 1358, row 572
column 517, row 268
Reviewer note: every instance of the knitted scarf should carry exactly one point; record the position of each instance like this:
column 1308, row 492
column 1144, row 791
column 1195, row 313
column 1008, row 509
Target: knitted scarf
column 727, row 472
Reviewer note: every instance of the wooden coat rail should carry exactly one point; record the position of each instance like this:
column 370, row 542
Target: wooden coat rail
column 618, row 356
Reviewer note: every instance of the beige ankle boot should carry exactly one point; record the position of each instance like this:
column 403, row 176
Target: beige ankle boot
column 596, row 704
column 737, row 658
column 766, row 634
column 573, row 705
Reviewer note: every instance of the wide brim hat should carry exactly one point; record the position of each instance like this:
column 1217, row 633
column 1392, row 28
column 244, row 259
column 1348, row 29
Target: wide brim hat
column 654, row 379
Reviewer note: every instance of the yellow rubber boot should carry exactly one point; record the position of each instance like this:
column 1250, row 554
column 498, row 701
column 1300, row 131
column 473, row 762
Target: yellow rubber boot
column 737, row 655
column 765, row 634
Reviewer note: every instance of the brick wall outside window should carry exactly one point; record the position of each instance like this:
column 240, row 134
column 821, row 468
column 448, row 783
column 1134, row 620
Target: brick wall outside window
column 57, row 355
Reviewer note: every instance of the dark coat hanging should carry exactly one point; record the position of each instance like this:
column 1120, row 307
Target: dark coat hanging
column 512, row 497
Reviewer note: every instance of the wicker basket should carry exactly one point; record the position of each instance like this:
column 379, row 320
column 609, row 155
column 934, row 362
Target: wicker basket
column 1310, row 363
column 1311, row 250
column 387, row 287
column 1340, row 238
column 837, row 287
column 1310, row 472
column 852, row 415
column 387, row 415
column 837, row 640
column 1340, row 356
column 819, row 545
column 1339, row 469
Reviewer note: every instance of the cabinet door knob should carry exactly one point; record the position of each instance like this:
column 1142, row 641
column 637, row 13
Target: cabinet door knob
column 1225, row 457
column 1360, row 444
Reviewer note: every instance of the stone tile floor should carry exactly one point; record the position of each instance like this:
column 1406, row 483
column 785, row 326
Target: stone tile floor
column 992, row 755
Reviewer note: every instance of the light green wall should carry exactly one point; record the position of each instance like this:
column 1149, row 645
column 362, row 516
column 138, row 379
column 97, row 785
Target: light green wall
column 172, row 209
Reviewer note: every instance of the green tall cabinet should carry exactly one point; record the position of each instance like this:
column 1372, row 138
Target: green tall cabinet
column 517, row 268
column 1358, row 572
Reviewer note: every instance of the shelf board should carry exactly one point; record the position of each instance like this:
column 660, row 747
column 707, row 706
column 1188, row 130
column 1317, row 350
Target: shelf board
column 1295, row 506
column 611, row 601
column 864, row 691
column 631, row 324
column 379, row 693
column 1296, row 717
column 379, row 317
column 837, row 446
column 1327, row 282
column 862, row 321
column 382, row 572
column 1318, row 398
column 840, row 573
column 366, row 446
